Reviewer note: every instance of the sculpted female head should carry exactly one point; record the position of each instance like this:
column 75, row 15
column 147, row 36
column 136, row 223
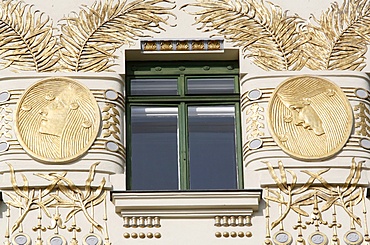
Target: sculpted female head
column 309, row 117
column 57, row 119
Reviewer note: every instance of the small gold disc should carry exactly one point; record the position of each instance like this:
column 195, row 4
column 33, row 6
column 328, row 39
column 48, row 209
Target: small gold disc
column 309, row 117
column 51, row 119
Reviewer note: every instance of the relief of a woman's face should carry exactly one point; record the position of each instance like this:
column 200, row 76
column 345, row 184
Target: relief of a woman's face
column 54, row 115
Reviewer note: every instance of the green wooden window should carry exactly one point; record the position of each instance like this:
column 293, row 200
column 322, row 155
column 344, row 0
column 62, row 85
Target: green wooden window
column 183, row 126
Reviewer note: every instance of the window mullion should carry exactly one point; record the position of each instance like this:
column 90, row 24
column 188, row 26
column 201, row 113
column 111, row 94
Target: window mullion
column 183, row 147
column 128, row 147
column 238, row 142
column 181, row 86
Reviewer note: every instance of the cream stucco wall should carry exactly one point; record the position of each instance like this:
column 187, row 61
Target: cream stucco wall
column 183, row 218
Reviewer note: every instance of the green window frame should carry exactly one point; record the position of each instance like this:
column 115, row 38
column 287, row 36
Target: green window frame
column 183, row 100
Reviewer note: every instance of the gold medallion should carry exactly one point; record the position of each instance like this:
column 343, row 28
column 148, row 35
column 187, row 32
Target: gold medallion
column 57, row 120
column 309, row 117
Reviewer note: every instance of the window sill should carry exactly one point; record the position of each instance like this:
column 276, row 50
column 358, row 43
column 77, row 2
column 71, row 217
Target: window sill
column 187, row 204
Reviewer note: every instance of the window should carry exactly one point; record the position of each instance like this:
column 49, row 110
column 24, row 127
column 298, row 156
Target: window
column 183, row 126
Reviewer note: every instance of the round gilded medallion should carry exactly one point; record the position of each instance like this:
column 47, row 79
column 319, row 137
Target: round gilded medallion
column 309, row 117
column 57, row 119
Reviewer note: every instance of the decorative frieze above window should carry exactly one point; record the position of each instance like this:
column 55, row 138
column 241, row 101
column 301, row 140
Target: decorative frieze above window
column 183, row 45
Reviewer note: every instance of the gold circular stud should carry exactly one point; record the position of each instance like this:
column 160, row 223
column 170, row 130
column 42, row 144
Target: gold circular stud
column 268, row 242
column 241, row 234
column 218, row 234
column 126, row 235
column 248, row 234
column 149, row 235
column 157, row 235
column 233, row 234
column 134, row 235
column 141, row 235
column 226, row 234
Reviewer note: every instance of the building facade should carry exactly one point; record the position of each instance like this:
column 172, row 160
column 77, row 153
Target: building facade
column 185, row 122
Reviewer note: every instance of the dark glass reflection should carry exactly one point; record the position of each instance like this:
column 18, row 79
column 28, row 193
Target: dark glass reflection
column 212, row 147
column 154, row 148
column 151, row 86
column 210, row 85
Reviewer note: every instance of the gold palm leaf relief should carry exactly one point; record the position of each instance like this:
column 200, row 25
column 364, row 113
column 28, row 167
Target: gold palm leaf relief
column 339, row 39
column 266, row 34
column 27, row 41
column 90, row 38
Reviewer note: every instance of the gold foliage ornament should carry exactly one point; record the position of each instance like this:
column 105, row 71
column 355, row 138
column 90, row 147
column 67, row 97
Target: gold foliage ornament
column 294, row 197
column 268, row 35
column 6, row 117
column 90, row 38
column 60, row 193
column 340, row 38
column 275, row 40
column 110, row 121
column 362, row 116
column 27, row 40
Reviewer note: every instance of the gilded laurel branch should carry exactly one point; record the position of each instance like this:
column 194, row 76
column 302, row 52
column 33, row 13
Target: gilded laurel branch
column 90, row 38
column 27, row 40
column 110, row 121
column 5, row 120
column 339, row 38
column 254, row 122
column 266, row 33
column 362, row 119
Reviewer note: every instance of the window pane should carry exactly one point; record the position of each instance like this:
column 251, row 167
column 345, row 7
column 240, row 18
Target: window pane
column 151, row 86
column 210, row 85
column 212, row 147
column 154, row 162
